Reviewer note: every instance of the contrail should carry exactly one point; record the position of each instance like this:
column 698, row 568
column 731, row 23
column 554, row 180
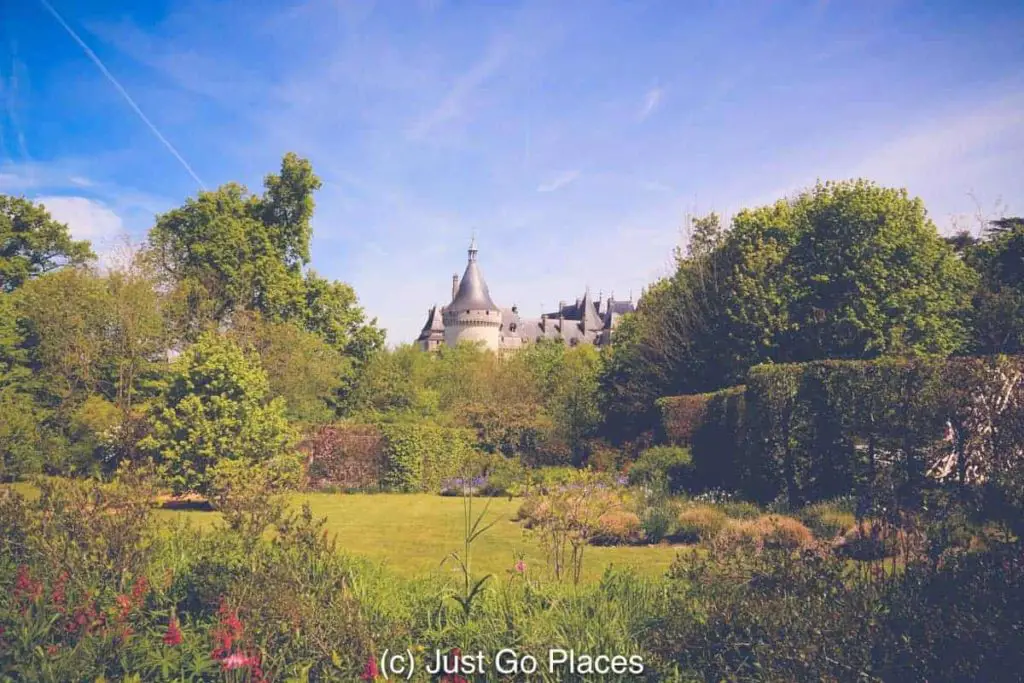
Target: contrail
column 124, row 93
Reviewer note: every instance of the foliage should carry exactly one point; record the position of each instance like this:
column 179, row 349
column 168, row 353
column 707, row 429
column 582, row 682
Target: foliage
column 301, row 367
column 699, row 523
column 214, row 409
column 663, row 466
column 227, row 251
column 882, row 430
column 568, row 518
column 842, row 270
column 418, row 457
column 826, row 520
column 618, row 527
column 34, row 243
column 348, row 455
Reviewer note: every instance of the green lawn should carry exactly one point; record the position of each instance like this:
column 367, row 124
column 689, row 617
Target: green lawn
column 412, row 533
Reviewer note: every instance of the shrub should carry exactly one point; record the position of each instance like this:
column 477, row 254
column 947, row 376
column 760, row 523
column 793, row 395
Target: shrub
column 784, row 532
column 618, row 527
column 871, row 540
column 215, row 408
column 418, row 457
column 826, row 521
column 766, row 532
column 347, row 456
column 659, row 521
column 739, row 509
column 699, row 523
column 663, row 466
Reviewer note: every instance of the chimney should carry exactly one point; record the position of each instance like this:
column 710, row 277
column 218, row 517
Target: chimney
column 455, row 285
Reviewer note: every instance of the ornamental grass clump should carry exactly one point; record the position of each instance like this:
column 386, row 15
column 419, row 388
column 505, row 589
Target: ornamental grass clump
column 699, row 523
column 618, row 527
column 766, row 532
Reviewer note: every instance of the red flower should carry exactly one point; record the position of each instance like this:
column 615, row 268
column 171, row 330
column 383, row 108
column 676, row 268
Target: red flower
column 24, row 586
column 173, row 635
column 139, row 589
column 227, row 632
column 57, row 596
column 370, row 672
column 125, row 603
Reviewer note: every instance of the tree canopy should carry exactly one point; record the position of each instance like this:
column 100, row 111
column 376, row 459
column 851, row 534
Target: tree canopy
column 32, row 243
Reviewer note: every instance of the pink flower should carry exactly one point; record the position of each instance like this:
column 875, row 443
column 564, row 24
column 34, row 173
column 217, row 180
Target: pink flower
column 236, row 660
column 370, row 671
column 173, row 635
column 520, row 566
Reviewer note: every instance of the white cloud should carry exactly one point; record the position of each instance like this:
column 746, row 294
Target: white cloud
column 87, row 219
column 559, row 181
column 651, row 101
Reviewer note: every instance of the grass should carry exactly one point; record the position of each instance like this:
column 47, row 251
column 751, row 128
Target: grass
column 412, row 533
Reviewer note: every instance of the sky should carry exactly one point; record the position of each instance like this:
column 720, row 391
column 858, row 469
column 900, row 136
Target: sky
column 574, row 137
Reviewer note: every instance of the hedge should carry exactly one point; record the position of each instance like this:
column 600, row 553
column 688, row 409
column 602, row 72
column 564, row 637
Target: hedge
column 418, row 457
column 396, row 457
column 812, row 431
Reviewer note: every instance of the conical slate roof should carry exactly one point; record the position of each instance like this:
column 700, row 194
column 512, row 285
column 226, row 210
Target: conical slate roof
column 472, row 294
column 589, row 317
column 434, row 329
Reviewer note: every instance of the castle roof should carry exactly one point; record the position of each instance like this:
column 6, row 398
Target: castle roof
column 473, row 294
column 589, row 318
column 434, row 328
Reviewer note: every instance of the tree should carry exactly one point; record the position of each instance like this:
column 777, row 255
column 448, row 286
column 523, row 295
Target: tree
column 842, row 270
column 301, row 367
column 228, row 251
column 64, row 319
column 998, row 312
column 32, row 243
column 137, row 330
column 871, row 276
column 216, row 408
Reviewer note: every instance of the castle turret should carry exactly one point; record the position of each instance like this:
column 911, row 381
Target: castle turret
column 472, row 315
column 432, row 334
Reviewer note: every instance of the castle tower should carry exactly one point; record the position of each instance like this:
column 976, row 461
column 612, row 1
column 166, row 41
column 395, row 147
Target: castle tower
column 472, row 315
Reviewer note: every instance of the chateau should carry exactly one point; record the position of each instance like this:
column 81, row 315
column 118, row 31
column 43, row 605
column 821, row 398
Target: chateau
column 473, row 316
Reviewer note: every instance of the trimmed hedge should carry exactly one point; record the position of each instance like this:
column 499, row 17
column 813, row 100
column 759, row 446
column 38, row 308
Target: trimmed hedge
column 418, row 457
column 397, row 457
column 814, row 431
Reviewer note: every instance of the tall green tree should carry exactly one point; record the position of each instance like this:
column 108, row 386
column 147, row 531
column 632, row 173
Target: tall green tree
column 998, row 312
column 842, row 270
column 32, row 243
column 230, row 250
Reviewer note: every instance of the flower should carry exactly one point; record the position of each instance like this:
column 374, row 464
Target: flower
column 25, row 586
column 520, row 566
column 57, row 595
column 139, row 589
column 173, row 635
column 235, row 660
column 125, row 603
column 370, row 671
column 227, row 632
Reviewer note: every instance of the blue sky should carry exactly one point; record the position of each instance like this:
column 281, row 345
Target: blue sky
column 575, row 137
